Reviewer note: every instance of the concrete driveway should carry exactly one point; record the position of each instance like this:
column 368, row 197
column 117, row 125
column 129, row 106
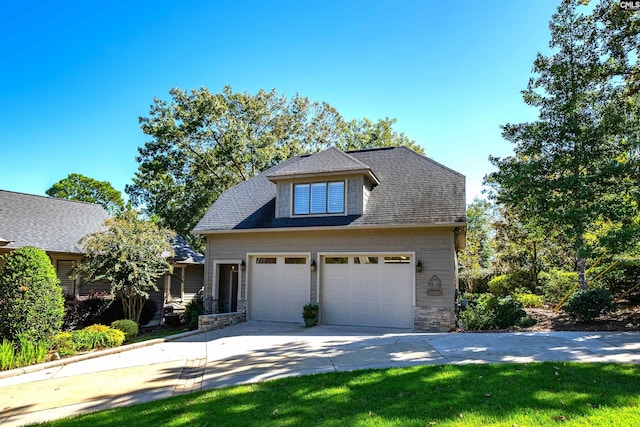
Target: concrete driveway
column 257, row 351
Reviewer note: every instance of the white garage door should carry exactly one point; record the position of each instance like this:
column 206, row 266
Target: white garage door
column 278, row 287
column 367, row 290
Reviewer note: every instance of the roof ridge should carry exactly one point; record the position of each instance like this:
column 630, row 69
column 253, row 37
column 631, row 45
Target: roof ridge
column 431, row 160
column 50, row 198
column 364, row 165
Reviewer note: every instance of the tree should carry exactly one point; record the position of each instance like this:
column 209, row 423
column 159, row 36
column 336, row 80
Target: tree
column 477, row 256
column 84, row 189
column 571, row 167
column 204, row 143
column 131, row 254
column 31, row 300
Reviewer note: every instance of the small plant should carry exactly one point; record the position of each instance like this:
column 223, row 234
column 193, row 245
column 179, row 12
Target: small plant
column 129, row 327
column 475, row 318
column 528, row 300
column 194, row 308
column 114, row 338
column 7, row 355
column 310, row 314
column 508, row 313
column 491, row 312
column 588, row 304
column 96, row 336
column 63, row 343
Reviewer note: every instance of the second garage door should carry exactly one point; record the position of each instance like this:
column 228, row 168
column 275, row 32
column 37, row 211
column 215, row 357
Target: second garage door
column 367, row 290
column 278, row 287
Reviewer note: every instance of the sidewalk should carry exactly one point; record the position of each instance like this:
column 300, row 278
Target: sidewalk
column 257, row 351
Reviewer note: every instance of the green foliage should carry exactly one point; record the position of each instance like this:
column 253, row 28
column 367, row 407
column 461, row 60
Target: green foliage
column 203, row 143
column 31, row 301
column 574, row 170
column 622, row 279
column 97, row 336
column 492, row 312
column 84, row 189
column 528, row 300
column 194, row 308
column 129, row 327
column 63, row 343
column 475, row 258
column 131, row 254
column 310, row 314
column 86, row 310
column 588, row 304
column 507, row 284
column 25, row 353
column 7, row 355
column 556, row 284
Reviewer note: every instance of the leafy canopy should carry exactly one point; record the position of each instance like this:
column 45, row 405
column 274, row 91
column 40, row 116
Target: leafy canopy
column 203, row 143
column 131, row 254
column 84, row 189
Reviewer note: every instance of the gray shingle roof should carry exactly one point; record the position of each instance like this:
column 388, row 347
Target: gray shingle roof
column 55, row 225
column 184, row 254
column 331, row 160
column 412, row 190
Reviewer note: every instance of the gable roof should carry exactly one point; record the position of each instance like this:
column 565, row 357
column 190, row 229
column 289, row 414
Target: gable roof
column 412, row 190
column 329, row 161
column 55, row 225
column 184, row 253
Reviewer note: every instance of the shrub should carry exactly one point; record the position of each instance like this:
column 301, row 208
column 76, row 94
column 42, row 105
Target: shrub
column 63, row 343
column 508, row 313
column 114, row 338
column 96, row 336
column 31, row 302
column 624, row 276
column 477, row 317
column 528, row 300
column 555, row 284
column 80, row 312
column 194, row 308
column 506, row 284
column 129, row 327
column 588, row 304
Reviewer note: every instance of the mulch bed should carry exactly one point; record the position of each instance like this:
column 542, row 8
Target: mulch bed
column 627, row 318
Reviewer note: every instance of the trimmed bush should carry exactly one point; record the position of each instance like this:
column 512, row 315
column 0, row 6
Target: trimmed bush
column 31, row 301
column 129, row 327
column 588, row 304
column 63, row 344
column 555, row 284
column 194, row 308
column 507, row 284
column 528, row 300
column 114, row 338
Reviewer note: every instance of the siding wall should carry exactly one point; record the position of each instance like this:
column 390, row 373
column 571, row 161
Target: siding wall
column 434, row 247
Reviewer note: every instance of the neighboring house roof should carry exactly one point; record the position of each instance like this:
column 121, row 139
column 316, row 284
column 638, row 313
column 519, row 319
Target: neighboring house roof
column 184, row 254
column 55, row 225
column 412, row 190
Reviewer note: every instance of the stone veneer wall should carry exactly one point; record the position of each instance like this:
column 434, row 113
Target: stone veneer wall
column 219, row 321
column 442, row 319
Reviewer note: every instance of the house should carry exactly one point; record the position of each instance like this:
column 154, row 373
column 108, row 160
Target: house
column 370, row 235
column 58, row 225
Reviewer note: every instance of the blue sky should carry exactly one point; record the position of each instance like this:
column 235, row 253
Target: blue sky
column 75, row 76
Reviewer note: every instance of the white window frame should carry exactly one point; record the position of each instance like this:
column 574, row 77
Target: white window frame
column 326, row 209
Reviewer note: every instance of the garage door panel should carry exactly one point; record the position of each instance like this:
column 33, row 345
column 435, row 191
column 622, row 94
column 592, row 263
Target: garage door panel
column 368, row 291
column 277, row 291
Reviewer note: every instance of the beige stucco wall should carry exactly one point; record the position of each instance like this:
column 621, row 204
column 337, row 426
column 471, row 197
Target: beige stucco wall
column 434, row 247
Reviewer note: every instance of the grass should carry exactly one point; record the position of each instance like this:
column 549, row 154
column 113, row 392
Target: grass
column 158, row 333
column 539, row 394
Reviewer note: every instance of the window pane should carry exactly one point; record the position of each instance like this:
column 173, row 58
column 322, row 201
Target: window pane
column 301, row 199
column 365, row 260
column 319, row 198
column 397, row 260
column 336, row 197
column 292, row 260
column 336, row 260
column 265, row 260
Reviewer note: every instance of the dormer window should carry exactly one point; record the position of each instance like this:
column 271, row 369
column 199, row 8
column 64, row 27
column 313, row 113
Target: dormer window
column 318, row 198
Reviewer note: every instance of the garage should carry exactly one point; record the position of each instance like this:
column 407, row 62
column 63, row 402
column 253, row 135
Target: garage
column 367, row 290
column 278, row 287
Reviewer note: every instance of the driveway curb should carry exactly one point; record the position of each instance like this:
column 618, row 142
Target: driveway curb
column 94, row 354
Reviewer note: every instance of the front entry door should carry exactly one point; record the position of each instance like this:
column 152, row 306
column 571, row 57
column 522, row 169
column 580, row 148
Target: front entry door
column 228, row 288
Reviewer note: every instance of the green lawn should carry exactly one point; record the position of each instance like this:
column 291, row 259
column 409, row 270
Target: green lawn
column 540, row 394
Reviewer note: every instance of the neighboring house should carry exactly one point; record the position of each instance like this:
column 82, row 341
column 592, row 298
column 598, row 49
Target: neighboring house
column 58, row 225
column 370, row 235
